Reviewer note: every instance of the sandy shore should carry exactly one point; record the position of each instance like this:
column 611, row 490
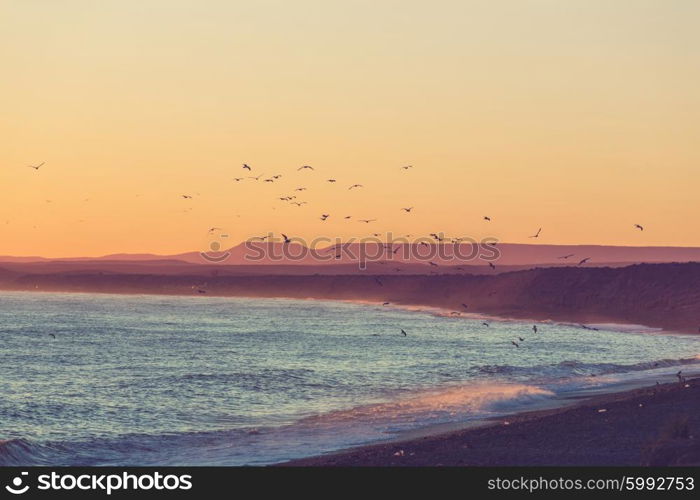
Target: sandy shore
column 658, row 425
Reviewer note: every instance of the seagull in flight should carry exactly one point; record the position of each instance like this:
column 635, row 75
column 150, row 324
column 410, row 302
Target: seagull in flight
column 485, row 323
column 247, row 167
column 299, row 203
column 256, row 178
column 515, row 343
column 566, row 256
column 521, row 339
column 331, row 180
column 36, row 167
column 238, row 179
column 300, row 189
column 305, row 167
column 325, row 216
column 492, row 266
column 286, row 238
column 583, row 261
column 403, row 332
column 54, row 336
column 639, row 227
column 407, row 210
column 187, row 196
column 465, row 305
column 406, row 167
column 211, row 230
column 366, row 221
column 355, row 186
column 486, row 217
column 537, row 234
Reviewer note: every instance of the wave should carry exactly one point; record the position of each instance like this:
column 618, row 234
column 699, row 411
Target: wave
column 579, row 368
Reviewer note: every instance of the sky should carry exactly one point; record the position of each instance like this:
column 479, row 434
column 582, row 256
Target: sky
column 578, row 117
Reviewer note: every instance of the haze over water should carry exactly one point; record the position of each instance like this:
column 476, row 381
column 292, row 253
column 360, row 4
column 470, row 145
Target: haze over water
column 144, row 380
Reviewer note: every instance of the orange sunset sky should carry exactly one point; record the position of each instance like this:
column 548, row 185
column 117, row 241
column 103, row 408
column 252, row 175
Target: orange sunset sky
column 580, row 117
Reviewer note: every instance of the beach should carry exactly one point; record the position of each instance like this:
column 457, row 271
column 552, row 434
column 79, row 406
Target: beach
column 657, row 426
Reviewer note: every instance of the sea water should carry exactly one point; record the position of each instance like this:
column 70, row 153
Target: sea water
column 168, row 380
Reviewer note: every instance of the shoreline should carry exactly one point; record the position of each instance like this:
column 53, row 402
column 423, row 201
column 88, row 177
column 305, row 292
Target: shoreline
column 653, row 425
column 440, row 312
column 662, row 296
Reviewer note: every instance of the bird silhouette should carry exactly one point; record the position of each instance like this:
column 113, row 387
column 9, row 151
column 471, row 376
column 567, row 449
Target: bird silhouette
column 403, row 332
column 492, row 266
column 537, row 234
column 36, row 167
column 378, row 281
column 521, row 339
column 566, row 256
column 407, row 210
column 303, row 167
column 639, row 227
column 515, row 343
column 286, row 238
column 52, row 335
column 300, row 189
column 583, row 261
column 331, row 180
column 465, row 305
column 187, row 196
column 406, row 167
column 355, row 186
column 247, row 167
column 485, row 323
column 238, row 179
column 366, row 221
column 486, row 217
column 324, row 216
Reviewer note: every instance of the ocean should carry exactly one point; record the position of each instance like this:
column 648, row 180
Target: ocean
column 171, row 380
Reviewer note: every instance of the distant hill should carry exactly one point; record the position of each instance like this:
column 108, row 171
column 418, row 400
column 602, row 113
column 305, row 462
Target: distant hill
column 511, row 254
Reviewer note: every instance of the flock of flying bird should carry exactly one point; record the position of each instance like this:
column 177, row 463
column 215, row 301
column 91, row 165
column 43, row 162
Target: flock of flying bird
column 292, row 199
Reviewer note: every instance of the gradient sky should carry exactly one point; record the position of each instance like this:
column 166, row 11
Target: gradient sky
column 580, row 117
